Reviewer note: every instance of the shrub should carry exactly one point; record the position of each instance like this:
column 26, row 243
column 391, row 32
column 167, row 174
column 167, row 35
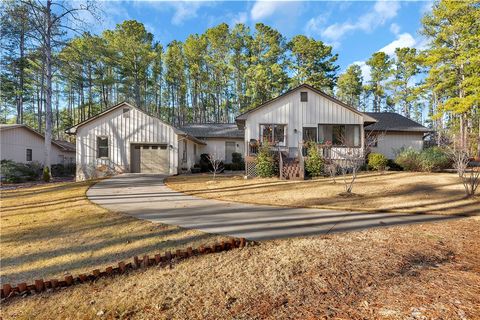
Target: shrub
column 377, row 161
column 409, row 159
column 434, row 158
column 14, row 172
column 393, row 166
column 265, row 164
column 237, row 162
column 60, row 170
column 46, row 174
column 314, row 161
column 237, row 157
column 206, row 166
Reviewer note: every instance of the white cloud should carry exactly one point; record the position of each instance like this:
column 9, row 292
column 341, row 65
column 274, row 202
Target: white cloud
column 395, row 28
column 241, row 17
column 381, row 12
column 365, row 70
column 184, row 11
column 403, row 40
column 264, row 9
column 315, row 25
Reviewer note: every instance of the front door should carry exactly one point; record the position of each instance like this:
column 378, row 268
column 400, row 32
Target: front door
column 229, row 149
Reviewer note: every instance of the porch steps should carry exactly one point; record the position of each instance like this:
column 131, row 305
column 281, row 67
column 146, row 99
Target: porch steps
column 292, row 169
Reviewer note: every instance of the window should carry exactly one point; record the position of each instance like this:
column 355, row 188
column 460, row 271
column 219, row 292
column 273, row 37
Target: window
column 195, row 150
column 303, row 96
column 102, row 147
column 29, row 154
column 126, row 112
column 273, row 133
column 184, row 154
column 309, row 134
column 372, row 140
column 339, row 134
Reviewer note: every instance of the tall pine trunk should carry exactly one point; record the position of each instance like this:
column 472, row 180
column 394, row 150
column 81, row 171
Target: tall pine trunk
column 48, row 89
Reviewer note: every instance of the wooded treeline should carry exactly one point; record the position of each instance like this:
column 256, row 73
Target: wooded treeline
column 212, row 77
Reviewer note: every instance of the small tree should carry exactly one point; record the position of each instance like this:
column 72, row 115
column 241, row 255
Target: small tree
column 351, row 160
column 265, row 163
column 469, row 176
column 314, row 161
column 331, row 170
column 216, row 164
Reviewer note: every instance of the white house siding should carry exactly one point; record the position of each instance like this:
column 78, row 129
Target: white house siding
column 217, row 145
column 391, row 142
column 16, row 141
column 295, row 114
column 122, row 130
column 191, row 156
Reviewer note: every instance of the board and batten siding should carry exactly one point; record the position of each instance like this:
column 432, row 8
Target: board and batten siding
column 122, row 130
column 391, row 142
column 16, row 141
column 289, row 110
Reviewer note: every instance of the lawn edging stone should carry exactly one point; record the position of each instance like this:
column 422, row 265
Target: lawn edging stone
column 161, row 260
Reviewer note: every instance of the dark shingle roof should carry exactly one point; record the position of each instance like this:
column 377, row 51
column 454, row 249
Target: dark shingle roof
column 213, row 130
column 391, row 121
column 66, row 145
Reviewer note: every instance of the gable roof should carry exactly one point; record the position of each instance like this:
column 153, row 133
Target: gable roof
column 63, row 145
column 214, row 130
column 73, row 129
column 391, row 121
column 367, row 118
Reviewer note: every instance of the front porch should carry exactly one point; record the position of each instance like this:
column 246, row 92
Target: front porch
column 290, row 161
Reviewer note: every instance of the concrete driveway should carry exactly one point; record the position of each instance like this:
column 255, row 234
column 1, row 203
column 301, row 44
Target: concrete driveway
column 147, row 197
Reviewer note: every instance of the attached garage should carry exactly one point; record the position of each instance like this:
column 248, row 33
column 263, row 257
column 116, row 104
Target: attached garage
column 150, row 158
column 127, row 139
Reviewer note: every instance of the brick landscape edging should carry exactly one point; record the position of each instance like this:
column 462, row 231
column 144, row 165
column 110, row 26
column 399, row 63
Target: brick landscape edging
column 23, row 289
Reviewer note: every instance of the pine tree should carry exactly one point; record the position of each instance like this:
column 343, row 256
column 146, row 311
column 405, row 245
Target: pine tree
column 380, row 69
column 350, row 86
column 312, row 62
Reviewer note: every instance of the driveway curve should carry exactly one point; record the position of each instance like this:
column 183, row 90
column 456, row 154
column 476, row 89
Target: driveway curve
column 147, row 197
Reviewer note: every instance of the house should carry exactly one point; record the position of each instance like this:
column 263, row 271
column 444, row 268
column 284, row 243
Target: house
column 299, row 115
column 124, row 138
column 221, row 139
column 21, row 143
column 393, row 132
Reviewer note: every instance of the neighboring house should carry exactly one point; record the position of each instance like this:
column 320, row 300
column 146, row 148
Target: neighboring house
column 126, row 139
column 393, row 132
column 21, row 143
column 221, row 139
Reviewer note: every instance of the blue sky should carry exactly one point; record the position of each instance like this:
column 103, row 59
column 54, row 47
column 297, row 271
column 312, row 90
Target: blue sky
column 355, row 29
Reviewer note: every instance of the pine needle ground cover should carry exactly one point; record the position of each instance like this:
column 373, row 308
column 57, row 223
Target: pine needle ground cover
column 428, row 271
column 436, row 193
column 53, row 229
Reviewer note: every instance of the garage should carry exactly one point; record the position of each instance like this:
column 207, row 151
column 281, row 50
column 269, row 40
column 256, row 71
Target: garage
column 150, row 158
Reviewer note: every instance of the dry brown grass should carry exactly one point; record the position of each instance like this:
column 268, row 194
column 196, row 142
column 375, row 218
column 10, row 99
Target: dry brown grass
column 439, row 193
column 429, row 271
column 49, row 230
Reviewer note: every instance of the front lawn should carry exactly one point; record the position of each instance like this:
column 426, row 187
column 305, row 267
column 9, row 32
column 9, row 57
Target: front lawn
column 439, row 193
column 52, row 229
column 425, row 271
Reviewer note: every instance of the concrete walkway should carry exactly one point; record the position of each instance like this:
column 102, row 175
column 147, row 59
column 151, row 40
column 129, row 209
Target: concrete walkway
column 147, row 197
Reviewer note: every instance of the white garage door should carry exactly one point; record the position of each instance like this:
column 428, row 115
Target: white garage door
column 148, row 158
